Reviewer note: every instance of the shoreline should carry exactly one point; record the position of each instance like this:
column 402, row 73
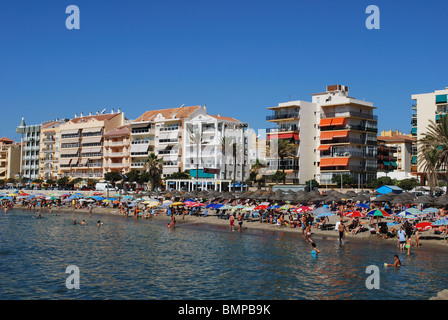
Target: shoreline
column 428, row 240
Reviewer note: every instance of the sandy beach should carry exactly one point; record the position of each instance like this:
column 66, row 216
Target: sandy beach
column 428, row 240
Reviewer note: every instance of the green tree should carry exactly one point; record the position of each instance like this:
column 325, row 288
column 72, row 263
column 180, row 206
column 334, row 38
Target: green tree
column 226, row 145
column 408, row 184
column 278, row 176
column 285, row 149
column 255, row 173
column 63, row 181
column 112, row 177
column 347, row 180
column 197, row 139
column 430, row 161
column 179, row 175
column 312, row 184
column 153, row 166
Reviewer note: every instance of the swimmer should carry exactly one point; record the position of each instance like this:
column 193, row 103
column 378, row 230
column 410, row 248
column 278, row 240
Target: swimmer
column 397, row 262
column 74, row 221
column 315, row 251
column 83, row 222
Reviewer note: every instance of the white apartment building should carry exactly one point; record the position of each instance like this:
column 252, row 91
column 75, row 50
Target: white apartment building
column 334, row 134
column 162, row 132
column 427, row 107
column 212, row 154
column 30, row 141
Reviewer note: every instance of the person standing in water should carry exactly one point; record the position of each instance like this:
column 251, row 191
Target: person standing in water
column 232, row 222
column 342, row 229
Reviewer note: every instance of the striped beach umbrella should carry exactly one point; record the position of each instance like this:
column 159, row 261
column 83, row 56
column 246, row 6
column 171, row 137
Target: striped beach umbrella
column 377, row 213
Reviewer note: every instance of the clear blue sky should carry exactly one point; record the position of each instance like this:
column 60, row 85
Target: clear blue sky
column 236, row 56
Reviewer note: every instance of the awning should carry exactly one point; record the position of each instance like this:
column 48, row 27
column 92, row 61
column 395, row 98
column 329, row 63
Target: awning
column 69, row 152
column 340, row 134
column 324, row 147
column 74, row 162
column 386, row 163
column 140, row 125
column 91, row 150
column 135, row 148
column 337, row 121
column 64, row 161
column 96, row 139
column 70, row 132
column 326, row 135
column 91, row 130
column 326, row 163
column 325, row 122
column 341, row 162
column 84, row 161
column 280, row 136
column 296, row 137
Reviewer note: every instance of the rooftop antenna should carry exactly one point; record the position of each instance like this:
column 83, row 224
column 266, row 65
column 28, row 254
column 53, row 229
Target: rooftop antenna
column 182, row 106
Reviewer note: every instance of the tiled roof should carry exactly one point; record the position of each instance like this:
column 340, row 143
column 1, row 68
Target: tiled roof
column 120, row 131
column 224, row 118
column 396, row 138
column 180, row 112
column 4, row 139
column 100, row 117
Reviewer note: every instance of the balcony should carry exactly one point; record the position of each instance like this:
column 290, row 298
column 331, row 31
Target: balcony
column 346, row 114
column 116, row 154
column 356, row 154
column 283, row 129
column 283, row 116
column 116, row 165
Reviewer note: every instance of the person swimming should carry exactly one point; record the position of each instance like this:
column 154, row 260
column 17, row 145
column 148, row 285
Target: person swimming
column 397, row 262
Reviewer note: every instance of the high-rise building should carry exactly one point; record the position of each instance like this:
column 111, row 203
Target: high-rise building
column 208, row 151
column 30, row 141
column 82, row 142
column 49, row 149
column 117, row 150
column 161, row 132
column 334, row 135
column 426, row 108
column 9, row 158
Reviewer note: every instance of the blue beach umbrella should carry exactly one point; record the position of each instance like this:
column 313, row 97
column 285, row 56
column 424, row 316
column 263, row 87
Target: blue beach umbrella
column 406, row 214
column 441, row 222
column 325, row 214
column 321, row 210
column 362, row 205
column 430, row 210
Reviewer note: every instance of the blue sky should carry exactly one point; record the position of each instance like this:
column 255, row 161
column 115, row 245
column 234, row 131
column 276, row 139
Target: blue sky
column 236, row 57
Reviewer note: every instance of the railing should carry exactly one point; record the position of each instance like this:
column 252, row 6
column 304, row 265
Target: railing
column 116, row 165
column 168, row 128
column 283, row 129
column 168, row 152
column 355, row 114
column 116, row 154
column 359, row 154
column 282, row 116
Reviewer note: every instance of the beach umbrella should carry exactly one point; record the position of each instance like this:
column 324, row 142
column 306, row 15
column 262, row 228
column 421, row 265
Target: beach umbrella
column 422, row 226
column 97, row 194
column 377, row 213
column 430, row 210
column 353, row 214
column 261, row 207
column 174, row 204
column 287, row 207
column 362, row 205
column 238, row 206
column 414, row 211
column 321, row 210
column 248, row 208
column 303, row 209
column 406, row 214
column 325, row 214
column 441, row 222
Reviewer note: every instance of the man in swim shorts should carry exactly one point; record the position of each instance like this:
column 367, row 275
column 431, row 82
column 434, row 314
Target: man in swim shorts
column 232, row 220
column 240, row 222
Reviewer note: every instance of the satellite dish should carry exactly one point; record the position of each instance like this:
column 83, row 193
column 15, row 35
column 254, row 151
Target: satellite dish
column 104, row 110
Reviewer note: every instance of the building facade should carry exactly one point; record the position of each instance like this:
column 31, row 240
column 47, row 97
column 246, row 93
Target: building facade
column 334, row 135
column 30, row 141
column 50, row 139
column 82, row 143
column 9, row 159
column 117, row 150
column 427, row 107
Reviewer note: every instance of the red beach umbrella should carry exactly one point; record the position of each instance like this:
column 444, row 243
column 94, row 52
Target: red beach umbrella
column 303, row 209
column 353, row 214
column 422, row 226
column 261, row 207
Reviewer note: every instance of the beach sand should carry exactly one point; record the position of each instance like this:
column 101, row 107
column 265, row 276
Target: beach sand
column 428, row 240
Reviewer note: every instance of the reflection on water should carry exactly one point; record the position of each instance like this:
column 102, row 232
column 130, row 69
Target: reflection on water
column 128, row 259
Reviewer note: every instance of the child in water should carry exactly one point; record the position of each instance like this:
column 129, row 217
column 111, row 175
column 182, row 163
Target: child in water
column 315, row 251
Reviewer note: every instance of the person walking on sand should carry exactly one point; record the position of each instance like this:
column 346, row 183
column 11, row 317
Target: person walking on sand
column 232, row 222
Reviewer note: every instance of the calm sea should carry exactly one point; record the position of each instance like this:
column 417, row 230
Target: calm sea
column 142, row 259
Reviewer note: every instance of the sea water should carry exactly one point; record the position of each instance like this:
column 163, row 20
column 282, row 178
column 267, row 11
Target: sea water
column 126, row 258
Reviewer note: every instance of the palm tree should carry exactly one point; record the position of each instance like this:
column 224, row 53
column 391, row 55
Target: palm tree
column 226, row 144
column 285, row 149
column 196, row 139
column 435, row 140
column 153, row 166
column 256, row 168
column 430, row 159
column 236, row 149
